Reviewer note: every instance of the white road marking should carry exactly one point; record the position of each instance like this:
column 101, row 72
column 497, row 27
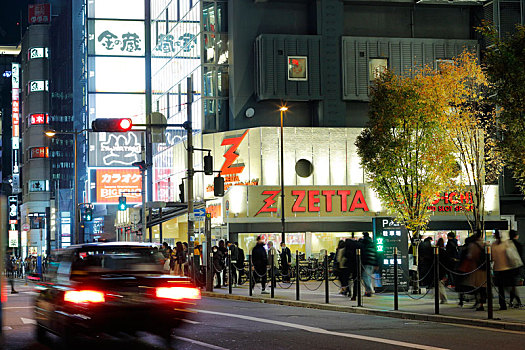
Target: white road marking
column 27, row 320
column 6, row 328
column 324, row 331
column 196, row 342
column 18, row 307
column 190, row 321
column 486, row 328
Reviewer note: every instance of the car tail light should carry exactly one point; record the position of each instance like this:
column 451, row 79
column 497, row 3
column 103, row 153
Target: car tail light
column 178, row 293
column 84, row 296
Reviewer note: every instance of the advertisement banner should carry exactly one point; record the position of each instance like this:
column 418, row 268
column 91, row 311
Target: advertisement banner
column 112, row 183
column 114, row 149
column 39, row 13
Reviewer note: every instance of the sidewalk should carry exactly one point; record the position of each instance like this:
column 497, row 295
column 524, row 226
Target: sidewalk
column 312, row 294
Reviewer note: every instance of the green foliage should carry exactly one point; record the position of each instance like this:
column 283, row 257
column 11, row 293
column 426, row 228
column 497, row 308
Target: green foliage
column 403, row 148
column 505, row 66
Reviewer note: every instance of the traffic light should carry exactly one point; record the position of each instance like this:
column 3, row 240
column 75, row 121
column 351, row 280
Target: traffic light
column 218, row 186
column 111, row 125
column 208, row 165
column 122, row 203
column 181, row 191
column 88, row 213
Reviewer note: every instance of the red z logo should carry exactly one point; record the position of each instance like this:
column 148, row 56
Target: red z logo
column 268, row 202
column 231, row 155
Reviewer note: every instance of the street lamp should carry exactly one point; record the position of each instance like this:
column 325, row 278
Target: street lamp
column 283, row 235
column 52, row 133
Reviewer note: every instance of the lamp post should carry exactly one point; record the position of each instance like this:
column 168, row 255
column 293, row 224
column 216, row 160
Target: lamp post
column 283, row 235
column 52, row 133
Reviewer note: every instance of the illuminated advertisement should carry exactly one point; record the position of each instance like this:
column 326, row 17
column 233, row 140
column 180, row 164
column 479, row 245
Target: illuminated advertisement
column 39, row 119
column 37, row 52
column 123, row 38
column 112, row 183
column 39, row 13
column 38, row 85
column 114, row 149
column 298, row 68
column 38, row 152
column 15, row 115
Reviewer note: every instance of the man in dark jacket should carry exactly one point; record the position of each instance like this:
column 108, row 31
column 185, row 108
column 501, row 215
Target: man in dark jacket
column 369, row 261
column 351, row 246
column 286, row 261
column 233, row 256
column 452, row 251
column 240, row 262
column 260, row 263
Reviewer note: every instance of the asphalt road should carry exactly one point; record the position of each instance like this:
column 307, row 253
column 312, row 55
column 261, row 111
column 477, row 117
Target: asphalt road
column 226, row 324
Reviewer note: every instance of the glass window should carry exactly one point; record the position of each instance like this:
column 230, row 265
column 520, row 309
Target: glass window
column 120, row 9
column 222, row 17
column 118, row 106
column 223, row 82
column 208, row 16
column 209, row 114
column 116, row 74
column 37, row 222
column 209, row 48
column 222, row 49
column 209, row 82
column 376, row 66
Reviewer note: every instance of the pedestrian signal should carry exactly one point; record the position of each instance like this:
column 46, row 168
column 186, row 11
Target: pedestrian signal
column 122, row 203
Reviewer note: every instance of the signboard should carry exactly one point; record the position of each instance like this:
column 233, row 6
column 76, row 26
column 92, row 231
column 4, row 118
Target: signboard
column 15, row 120
column 39, row 13
column 37, row 52
column 39, row 119
column 13, row 239
column 298, row 68
column 112, row 183
column 38, row 85
column 38, row 152
column 388, row 234
column 114, row 149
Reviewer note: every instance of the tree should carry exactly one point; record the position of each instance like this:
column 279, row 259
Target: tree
column 403, row 148
column 469, row 120
column 505, row 69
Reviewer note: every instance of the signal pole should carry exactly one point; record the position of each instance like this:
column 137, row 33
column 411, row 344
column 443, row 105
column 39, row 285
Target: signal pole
column 189, row 130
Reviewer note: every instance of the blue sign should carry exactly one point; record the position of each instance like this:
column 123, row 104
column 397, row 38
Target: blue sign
column 199, row 212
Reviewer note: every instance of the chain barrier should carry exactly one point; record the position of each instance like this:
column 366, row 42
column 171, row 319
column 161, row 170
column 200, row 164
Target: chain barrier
column 315, row 289
column 460, row 273
column 289, row 286
column 406, row 291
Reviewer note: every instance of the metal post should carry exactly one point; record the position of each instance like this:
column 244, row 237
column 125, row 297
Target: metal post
column 490, row 311
column 143, row 194
column 250, row 275
column 230, row 282
column 151, row 228
column 76, row 238
column 326, row 286
column 297, row 275
column 436, row 280
column 396, row 281
column 283, row 234
column 160, row 227
column 190, row 171
column 272, row 275
column 211, row 274
column 359, row 297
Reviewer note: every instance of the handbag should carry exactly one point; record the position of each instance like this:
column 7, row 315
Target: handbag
column 513, row 256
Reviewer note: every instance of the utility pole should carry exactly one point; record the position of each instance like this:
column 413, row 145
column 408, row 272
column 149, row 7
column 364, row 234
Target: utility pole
column 189, row 130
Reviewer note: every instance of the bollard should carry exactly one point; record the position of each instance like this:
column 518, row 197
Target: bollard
column 326, row 287
column 436, row 280
column 396, row 281
column 272, row 275
column 250, row 275
column 192, row 269
column 230, row 282
column 359, row 297
column 297, row 275
column 211, row 273
column 490, row 311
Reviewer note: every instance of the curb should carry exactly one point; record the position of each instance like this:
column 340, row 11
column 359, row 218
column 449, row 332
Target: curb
column 375, row 312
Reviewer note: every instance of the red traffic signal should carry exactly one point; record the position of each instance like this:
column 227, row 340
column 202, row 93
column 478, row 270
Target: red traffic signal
column 111, row 125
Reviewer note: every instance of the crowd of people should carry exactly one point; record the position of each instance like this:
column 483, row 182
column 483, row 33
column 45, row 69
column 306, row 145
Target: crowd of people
column 464, row 267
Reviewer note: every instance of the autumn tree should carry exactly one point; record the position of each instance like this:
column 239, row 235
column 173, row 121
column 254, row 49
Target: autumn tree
column 404, row 150
column 504, row 60
column 469, row 121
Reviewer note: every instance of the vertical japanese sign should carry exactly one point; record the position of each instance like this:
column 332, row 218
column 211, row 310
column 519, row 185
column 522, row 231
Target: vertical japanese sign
column 39, row 13
column 389, row 234
column 13, row 221
column 15, row 115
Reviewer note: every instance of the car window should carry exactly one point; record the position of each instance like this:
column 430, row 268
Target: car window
column 109, row 259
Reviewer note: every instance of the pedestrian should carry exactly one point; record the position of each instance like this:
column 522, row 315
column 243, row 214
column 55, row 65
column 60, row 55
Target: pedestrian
column 369, row 261
column 513, row 236
column 186, row 264
column 260, row 263
column 351, row 246
column 425, row 260
column 240, row 262
column 10, row 273
column 273, row 259
column 180, row 259
column 286, row 261
column 453, row 255
column 234, row 252
column 505, row 271
column 224, row 250
column 472, row 264
column 218, row 265
column 443, row 260
column 342, row 271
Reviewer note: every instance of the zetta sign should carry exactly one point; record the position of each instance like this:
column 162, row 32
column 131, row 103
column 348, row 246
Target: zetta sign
column 111, row 183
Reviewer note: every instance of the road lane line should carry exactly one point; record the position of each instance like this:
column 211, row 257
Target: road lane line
column 196, row 342
column 324, row 331
column 18, row 307
column 486, row 328
column 27, row 320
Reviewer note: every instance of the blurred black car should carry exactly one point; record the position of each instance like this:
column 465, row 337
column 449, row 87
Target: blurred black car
column 109, row 289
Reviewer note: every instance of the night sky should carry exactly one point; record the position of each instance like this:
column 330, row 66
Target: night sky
column 9, row 16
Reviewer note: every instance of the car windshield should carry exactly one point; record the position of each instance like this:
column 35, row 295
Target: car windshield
column 107, row 259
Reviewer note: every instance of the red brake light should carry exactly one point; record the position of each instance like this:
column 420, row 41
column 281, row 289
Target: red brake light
column 178, row 293
column 84, row 296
